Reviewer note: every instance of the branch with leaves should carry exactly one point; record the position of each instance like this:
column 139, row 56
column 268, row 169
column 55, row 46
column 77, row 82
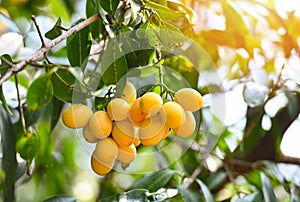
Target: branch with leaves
column 15, row 68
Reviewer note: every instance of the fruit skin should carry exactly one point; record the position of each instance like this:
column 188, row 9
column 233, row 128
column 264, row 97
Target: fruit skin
column 27, row 146
column 123, row 133
column 117, row 109
column 135, row 113
column 152, row 130
column 89, row 136
column 77, row 116
column 106, row 150
column 189, row 99
column 149, row 100
column 129, row 93
column 188, row 127
column 100, row 124
column 126, row 154
column 99, row 167
column 173, row 114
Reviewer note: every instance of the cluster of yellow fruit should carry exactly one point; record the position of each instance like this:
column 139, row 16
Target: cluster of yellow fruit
column 130, row 121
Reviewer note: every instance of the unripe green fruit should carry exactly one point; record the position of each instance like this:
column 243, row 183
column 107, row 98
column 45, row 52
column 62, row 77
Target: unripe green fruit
column 27, row 146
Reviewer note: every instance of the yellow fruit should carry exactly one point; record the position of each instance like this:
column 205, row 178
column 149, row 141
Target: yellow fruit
column 106, row 150
column 188, row 127
column 123, row 133
column 152, row 130
column 126, row 154
column 149, row 100
column 135, row 113
column 189, row 99
column 99, row 167
column 117, row 109
column 173, row 114
column 100, row 124
column 88, row 135
column 76, row 116
column 129, row 92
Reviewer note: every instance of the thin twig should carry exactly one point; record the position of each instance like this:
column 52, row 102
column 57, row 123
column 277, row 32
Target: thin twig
column 194, row 175
column 22, row 119
column 41, row 37
column 21, row 65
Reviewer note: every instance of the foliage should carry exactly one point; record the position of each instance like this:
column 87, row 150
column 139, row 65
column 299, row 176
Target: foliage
column 243, row 56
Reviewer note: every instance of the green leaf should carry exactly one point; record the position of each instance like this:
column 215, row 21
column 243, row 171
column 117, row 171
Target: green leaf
column 188, row 195
column 170, row 36
column 61, row 198
column 66, row 87
column 113, row 63
column 215, row 179
column 40, row 92
column 267, row 188
column 110, row 6
column 55, row 31
column 273, row 169
column 9, row 163
column 138, row 195
column 256, row 196
column 207, row 195
column 3, row 102
column 97, row 28
column 154, row 181
column 78, row 46
column 165, row 13
column 176, row 198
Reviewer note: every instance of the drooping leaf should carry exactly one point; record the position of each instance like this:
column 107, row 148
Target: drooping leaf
column 170, row 36
column 78, row 46
column 139, row 195
column 110, row 6
column 55, row 31
column 188, row 195
column 154, row 181
column 40, row 92
column 9, row 163
column 113, row 63
column 267, row 188
column 61, row 198
column 207, row 194
column 66, row 88
column 176, row 198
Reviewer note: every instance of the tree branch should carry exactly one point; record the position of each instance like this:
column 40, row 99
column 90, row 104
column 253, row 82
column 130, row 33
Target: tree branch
column 21, row 65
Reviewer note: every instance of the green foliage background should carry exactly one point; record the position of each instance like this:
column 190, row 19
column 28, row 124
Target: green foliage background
column 252, row 47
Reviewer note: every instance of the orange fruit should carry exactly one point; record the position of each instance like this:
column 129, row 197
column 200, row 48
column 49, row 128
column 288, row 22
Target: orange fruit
column 77, row 116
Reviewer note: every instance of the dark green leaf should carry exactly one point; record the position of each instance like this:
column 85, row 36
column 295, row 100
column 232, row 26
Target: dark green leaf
column 154, row 181
column 5, row 60
column 61, row 198
column 267, row 188
column 97, row 28
column 113, row 63
column 138, row 195
column 78, row 46
column 110, row 6
column 215, row 179
column 207, row 194
column 3, row 102
column 69, row 5
column 66, row 88
column 55, row 31
column 9, row 163
column 40, row 92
